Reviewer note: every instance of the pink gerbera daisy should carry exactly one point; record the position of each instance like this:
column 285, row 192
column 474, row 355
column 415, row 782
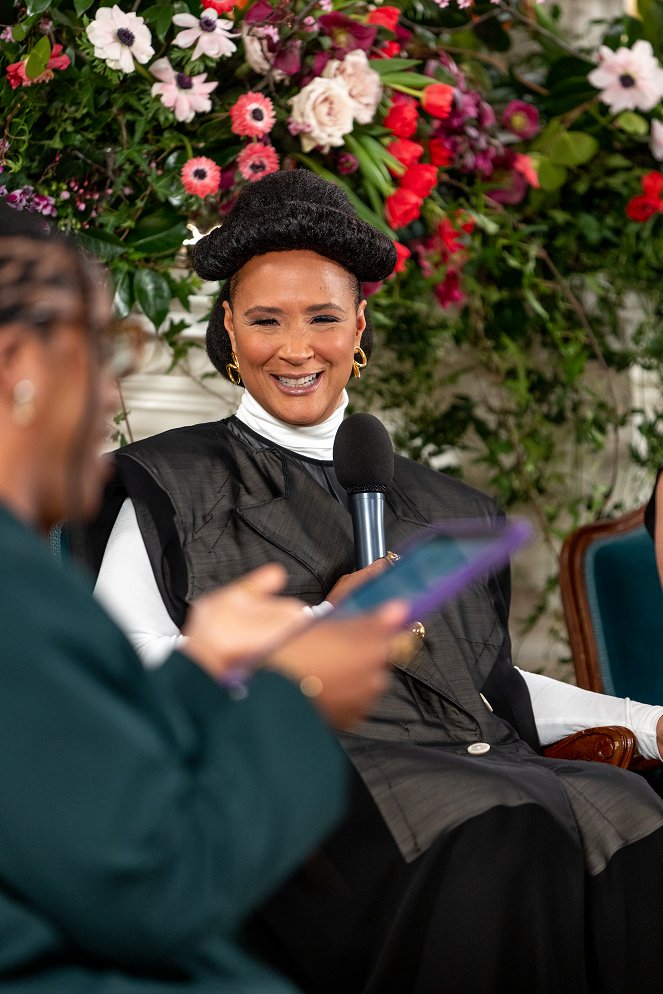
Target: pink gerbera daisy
column 252, row 115
column 201, row 176
column 257, row 160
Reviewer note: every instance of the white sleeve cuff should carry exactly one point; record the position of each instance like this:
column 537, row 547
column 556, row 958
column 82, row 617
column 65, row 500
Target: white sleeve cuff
column 561, row 709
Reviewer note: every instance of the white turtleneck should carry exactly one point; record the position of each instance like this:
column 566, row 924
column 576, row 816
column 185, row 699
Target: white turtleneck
column 128, row 590
column 312, row 441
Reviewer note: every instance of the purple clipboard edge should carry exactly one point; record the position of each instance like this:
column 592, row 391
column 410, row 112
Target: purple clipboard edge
column 508, row 535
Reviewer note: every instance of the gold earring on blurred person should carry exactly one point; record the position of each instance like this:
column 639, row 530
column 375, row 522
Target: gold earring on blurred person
column 23, row 413
column 357, row 365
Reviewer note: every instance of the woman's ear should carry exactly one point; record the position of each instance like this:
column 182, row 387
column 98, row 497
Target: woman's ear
column 361, row 322
column 228, row 324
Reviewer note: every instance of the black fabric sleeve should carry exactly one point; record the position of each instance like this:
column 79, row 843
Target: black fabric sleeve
column 505, row 687
column 156, row 520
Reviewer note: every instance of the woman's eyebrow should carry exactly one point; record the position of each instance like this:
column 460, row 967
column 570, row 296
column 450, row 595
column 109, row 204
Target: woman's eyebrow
column 314, row 308
column 278, row 311
column 260, row 309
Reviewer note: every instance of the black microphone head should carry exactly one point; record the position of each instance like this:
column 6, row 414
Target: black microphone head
column 363, row 455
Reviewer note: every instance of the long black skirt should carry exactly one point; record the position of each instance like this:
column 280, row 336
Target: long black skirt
column 550, row 881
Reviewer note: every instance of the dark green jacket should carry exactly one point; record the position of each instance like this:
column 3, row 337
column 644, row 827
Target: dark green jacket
column 143, row 814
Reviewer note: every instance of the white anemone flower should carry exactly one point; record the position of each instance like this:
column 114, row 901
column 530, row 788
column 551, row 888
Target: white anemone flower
column 119, row 38
column 630, row 78
column 185, row 95
column 211, row 35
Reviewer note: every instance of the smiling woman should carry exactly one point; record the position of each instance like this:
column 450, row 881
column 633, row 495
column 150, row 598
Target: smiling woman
column 295, row 347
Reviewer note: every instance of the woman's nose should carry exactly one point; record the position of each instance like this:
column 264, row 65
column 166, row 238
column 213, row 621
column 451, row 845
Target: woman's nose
column 296, row 347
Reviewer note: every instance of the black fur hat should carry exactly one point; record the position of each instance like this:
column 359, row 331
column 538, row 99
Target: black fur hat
column 284, row 211
column 294, row 210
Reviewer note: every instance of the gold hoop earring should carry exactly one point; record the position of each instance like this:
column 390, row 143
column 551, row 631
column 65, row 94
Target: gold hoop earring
column 24, row 409
column 232, row 369
column 356, row 366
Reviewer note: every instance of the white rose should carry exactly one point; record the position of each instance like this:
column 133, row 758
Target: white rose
column 363, row 83
column 256, row 52
column 325, row 109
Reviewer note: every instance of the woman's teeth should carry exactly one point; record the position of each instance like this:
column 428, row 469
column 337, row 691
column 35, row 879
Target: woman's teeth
column 297, row 381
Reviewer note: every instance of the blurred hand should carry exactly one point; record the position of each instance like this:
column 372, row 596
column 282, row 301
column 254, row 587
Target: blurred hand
column 242, row 621
column 343, row 664
column 349, row 581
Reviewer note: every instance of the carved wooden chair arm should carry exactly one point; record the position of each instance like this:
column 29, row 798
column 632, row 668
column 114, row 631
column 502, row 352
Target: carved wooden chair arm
column 612, row 744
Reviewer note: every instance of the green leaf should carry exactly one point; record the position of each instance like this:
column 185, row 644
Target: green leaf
column 38, row 6
column 651, row 12
column 413, row 80
column 384, row 66
column 551, row 176
column 364, row 212
column 100, row 244
column 157, row 234
column 82, row 5
column 19, row 31
column 153, row 294
column 572, row 148
column 374, row 172
column 38, row 58
column 632, row 124
column 123, row 297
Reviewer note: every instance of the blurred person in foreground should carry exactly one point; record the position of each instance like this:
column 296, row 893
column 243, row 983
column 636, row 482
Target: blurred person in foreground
column 468, row 862
column 144, row 814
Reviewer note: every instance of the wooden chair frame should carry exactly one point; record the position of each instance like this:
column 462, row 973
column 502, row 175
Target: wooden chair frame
column 574, row 594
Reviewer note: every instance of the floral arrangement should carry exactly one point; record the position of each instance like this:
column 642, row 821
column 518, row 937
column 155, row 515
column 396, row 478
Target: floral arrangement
column 516, row 171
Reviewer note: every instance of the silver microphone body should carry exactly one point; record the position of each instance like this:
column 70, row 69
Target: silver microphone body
column 367, row 510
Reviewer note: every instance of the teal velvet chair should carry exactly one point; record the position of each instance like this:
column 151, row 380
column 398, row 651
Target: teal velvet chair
column 613, row 604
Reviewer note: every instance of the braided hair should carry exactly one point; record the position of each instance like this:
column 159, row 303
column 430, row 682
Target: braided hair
column 44, row 278
column 284, row 211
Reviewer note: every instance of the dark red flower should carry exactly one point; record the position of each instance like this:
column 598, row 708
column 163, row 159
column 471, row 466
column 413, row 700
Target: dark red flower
column 402, row 207
column 402, row 255
column 387, row 17
column 521, row 119
column 652, row 185
column 346, row 34
column 448, row 235
column 437, row 99
column 390, row 50
column 220, row 6
column 440, row 153
column 420, row 178
column 449, row 291
column 402, row 116
column 407, row 152
column 641, row 208
column 649, row 202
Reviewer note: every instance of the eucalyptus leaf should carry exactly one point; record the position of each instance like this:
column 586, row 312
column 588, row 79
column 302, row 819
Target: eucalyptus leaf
column 153, row 294
column 632, row 123
column 572, row 148
column 551, row 176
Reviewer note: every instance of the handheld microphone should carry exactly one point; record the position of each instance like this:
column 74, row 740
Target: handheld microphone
column 364, row 466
